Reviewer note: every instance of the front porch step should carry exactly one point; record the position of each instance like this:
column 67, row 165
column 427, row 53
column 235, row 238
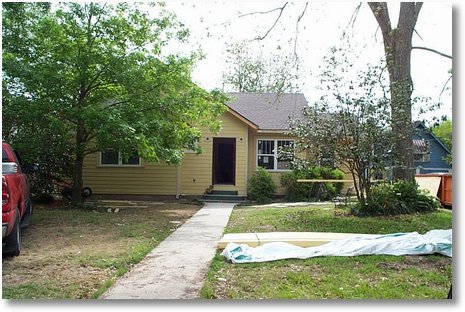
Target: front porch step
column 222, row 198
column 219, row 192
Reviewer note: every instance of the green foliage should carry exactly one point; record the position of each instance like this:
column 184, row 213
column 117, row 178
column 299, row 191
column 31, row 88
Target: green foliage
column 55, row 160
column 295, row 191
column 395, row 198
column 261, row 187
column 83, row 77
column 443, row 131
column 349, row 125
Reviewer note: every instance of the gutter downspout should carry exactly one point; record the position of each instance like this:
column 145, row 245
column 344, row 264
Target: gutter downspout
column 178, row 182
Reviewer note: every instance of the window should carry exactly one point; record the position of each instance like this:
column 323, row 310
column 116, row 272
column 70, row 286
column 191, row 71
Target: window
column 116, row 158
column 421, row 151
column 285, row 154
column 266, row 154
column 275, row 154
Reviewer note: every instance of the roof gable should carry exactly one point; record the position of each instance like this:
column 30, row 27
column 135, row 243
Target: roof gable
column 421, row 126
column 269, row 111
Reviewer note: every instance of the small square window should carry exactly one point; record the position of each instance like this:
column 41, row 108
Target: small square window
column 133, row 160
column 109, row 157
column 266, row 162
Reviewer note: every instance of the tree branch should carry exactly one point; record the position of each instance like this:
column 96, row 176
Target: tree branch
column 444, row 87
column 281, row 9
column 354, row 16
column 297, row 28
column 381, row 13
column 408, row 15
column 434, row 51
column 265, row 12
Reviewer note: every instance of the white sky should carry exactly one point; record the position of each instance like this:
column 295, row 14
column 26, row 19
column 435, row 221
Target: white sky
column 215, row 23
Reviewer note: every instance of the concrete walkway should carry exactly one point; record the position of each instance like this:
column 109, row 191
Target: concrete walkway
column 176, row 268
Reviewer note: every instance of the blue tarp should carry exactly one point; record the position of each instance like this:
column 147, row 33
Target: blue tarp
column 434, row 241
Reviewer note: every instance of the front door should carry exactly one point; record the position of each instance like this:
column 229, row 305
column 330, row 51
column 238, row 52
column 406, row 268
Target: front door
column 224, row 161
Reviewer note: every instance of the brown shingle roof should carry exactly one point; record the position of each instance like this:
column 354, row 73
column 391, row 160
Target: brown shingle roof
column 269, row 111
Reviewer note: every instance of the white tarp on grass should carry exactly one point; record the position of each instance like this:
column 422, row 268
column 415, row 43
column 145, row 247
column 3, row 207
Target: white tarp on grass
column 434, row 241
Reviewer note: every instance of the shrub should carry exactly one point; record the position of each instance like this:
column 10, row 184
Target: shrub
column 400, row 197
column 295, row 191
column 43, row 199
column 261, row 186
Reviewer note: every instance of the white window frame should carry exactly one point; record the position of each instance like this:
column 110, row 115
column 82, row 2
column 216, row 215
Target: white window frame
column 120, row 161
column 274, row 155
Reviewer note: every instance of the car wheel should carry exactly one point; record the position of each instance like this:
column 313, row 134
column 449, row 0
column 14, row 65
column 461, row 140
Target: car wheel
column 13, row 242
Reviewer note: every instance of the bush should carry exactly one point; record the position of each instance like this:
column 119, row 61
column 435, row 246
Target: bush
column 400, row 197
column 43, row 199
column 295, row 191
column 261, row 186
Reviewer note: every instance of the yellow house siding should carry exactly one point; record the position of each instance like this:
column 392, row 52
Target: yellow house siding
column 147, row 179
column 196, row 170
column 193, row 176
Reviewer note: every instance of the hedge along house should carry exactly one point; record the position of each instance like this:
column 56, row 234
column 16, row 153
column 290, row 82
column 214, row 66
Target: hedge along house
column 253, row 128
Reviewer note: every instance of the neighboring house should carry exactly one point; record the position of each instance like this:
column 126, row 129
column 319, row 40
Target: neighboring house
column 429, row 151
column 252, row 129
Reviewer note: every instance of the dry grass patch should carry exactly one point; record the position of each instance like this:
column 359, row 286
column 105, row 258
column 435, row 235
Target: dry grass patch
column 78, row 253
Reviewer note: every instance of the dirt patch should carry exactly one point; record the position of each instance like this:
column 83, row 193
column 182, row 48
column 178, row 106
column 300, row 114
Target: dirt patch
column 420, row 262
column 70, row 253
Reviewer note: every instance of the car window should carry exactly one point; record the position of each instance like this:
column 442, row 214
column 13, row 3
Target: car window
column 20, row 163
column 4, row 156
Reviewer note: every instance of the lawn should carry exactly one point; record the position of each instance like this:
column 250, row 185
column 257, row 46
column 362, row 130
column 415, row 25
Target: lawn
column 79, row 253
column 361, row 277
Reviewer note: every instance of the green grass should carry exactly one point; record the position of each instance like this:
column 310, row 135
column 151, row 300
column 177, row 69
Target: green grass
column 361, row 277
column 326, row 219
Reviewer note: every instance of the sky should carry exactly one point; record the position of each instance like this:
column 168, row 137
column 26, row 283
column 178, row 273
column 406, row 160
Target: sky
column 213, row 24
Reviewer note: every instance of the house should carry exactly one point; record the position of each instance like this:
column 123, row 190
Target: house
column 429, row 151
column 253, row 127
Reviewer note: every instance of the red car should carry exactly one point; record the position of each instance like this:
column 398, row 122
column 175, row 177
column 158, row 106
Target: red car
column 16, row 201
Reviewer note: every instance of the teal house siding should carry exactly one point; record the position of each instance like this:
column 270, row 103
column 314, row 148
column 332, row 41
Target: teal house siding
column 434, row 162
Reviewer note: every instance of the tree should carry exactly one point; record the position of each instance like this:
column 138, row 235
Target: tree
column 350, row 123
column 397, row 48
column 443, row 131
column 21, row 128
column 96, row 74
column 249, row 72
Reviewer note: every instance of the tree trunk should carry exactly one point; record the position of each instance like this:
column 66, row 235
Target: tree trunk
column 77, row 199
column 397, row 48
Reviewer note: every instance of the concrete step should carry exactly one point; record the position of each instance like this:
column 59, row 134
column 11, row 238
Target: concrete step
column 219, row 192
column 223, row 198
